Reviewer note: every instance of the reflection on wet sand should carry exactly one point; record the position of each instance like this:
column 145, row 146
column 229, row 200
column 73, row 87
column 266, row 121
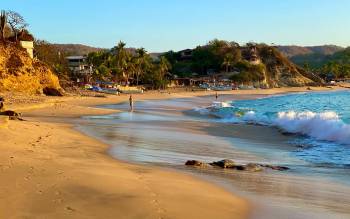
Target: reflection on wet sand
column 159, row 133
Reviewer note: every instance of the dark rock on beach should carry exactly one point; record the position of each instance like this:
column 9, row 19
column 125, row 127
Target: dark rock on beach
column 12, row 115
column 230, row 164
column 195, row 163
column 224, row 163
column 253, row 167
column 48, row 91
column 279, row 168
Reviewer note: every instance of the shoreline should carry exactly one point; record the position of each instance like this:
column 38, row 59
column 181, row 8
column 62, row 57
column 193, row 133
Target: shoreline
column 61, row 173
column 51, row 138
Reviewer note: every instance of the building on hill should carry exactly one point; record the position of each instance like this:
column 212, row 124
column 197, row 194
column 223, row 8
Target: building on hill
column 79, row 68
column 29, row 46
column 186, row 54
column 251, row 55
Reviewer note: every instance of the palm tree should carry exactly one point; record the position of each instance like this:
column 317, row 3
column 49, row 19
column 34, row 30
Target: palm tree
column 122, row 59
column 163, row 68
column 142, row 63
column 228, row 61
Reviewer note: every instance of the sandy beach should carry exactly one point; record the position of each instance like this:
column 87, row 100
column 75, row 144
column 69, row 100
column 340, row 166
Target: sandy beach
column 50, row 170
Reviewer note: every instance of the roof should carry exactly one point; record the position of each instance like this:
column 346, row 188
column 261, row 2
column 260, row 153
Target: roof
column 75, row 57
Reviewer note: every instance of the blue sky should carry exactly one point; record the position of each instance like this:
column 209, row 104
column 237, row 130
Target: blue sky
column 160, row 25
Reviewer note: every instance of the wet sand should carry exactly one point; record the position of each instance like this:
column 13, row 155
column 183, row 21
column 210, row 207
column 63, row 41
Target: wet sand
column 49, row 170
column 163, row 134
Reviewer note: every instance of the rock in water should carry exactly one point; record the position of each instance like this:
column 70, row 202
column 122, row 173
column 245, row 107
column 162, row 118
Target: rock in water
column 195, row 163
column 253, row 167
column 280, row 168
column 224, row 163
column 239, row 167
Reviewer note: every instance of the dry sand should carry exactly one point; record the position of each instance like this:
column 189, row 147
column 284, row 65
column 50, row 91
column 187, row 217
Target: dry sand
column 50, row 170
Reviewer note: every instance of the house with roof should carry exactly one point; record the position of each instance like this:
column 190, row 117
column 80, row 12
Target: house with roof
column 79, row 68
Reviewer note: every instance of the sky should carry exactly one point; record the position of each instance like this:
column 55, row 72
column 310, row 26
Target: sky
column 160, row 25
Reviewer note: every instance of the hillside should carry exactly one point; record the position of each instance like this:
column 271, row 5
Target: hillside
column 255, row 64
column 76, row 49
column 20, row 73
column 314, row 56
column 279, row 71
column 291, row 51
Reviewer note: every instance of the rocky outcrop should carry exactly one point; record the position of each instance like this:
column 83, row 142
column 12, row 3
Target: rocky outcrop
column 281, row 72
column 20, row 73
column 224, row 163
column 50, row 91
column 195, row 163
column 229, row 164
column 12, row 115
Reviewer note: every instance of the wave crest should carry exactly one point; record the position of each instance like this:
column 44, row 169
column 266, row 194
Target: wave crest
column 321, row 126
column 325, row 126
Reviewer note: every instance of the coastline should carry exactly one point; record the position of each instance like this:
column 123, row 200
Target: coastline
column 51, row 170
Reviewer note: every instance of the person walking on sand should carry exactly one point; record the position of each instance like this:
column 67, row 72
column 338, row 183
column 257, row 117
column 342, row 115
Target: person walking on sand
column 216, row 96
column 2, row 104
column 131, row 102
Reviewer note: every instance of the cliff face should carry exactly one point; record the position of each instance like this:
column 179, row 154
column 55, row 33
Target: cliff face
column 281, row 72
column 20, row 73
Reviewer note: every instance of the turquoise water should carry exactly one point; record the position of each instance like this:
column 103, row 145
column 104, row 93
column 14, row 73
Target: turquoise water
column 320, row 122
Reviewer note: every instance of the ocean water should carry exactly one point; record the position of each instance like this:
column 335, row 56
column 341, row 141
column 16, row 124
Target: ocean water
column 314, row 145
column 320, row 122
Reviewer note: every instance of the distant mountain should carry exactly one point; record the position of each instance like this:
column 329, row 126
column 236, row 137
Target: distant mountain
column 315, row 56
column 156, row 55
column 76, row 49
column 291, row 51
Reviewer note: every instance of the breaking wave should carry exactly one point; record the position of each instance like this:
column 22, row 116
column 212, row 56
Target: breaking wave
column 324, row 126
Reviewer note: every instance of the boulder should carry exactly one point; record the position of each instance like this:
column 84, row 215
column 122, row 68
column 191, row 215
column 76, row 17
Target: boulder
column 48, row 91
column 230, row 164
column 195, row 163
column 12, row 115
column 224, row 163
column 254, row 167
column 239, row 167
column 279, row 168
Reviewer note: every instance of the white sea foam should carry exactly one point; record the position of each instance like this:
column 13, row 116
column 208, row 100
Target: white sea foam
column 326, row 126
column 321, row 126
column 221, row 104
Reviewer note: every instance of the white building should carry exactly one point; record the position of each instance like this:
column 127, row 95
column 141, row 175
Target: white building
column 79, row 67
column 29, row 46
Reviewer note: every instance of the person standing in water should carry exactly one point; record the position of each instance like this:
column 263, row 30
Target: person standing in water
column 131, row 102
column 216, row 96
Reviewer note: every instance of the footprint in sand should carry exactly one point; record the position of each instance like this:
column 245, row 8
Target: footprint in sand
column 154, row 201
column 70, row 209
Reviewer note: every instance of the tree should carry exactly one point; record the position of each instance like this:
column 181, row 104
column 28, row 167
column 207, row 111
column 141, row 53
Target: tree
column 228, row 61
column 16, row 22
column 3, row 24
column 123, row 61
column 49, row 54
column 142, row 63
column 101, row 72
column 162, row 68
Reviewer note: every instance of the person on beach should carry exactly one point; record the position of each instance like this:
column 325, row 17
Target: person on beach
column 2, row 104
column 131, row 102
column 216, row 96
